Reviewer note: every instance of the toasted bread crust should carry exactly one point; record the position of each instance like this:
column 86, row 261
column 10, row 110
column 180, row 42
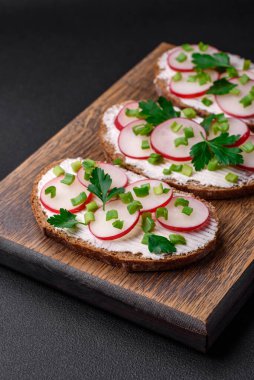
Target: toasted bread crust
column 206, row 192
column 125, row 260
column 162, row 89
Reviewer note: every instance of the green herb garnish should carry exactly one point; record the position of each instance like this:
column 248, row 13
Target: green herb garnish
column 118, row 161
column 111, row 214
column 126, row 198
column 248, row 147
column 181, row 57
column 68, row 179
column 176, row 168
column 148, row 223
column 118, row 224
column 177, row 77
column 134, row 206
column 231, row 177
column 207, row 102
column 159, row 244
column 89, row 217
column 181, row 141
column 177, row 239
column 58, row 171
column 145, row 144
column 64, row 220
column 189, row 113
column 208, row 61
column 88, row 166
column 244, row 79
column 221, row 87
column 142, row 191
column 187, row 47
column 76, row 165
column 100, row 185
column 188, row 132
column 187, row 210
column 155, row 159
column 162, row 212
column 81, row 198
column 218, row 147
column 92, row 206
column 187, row 170
column 181, row 202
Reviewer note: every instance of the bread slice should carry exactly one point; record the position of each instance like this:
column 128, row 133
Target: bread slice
column 124, row 259
column 112, row 152
column 161, row 82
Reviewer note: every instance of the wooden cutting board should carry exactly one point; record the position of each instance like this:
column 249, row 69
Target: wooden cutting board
column 192, row 305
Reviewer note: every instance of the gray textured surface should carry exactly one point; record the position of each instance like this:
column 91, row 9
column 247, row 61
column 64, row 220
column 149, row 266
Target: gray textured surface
column 56, row 57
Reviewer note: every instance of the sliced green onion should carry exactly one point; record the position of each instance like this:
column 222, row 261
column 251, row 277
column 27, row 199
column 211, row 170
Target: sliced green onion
column 248, row 147
column 187, row 210
column 155, row 159
column 88, row 166
column 143, row 129
column 118, row 224
column 232, row 72
column 231, row 177
column 158, row 190
column 89, row 217
column 207, row 102
column 246, row 64
column 215, row 127
column 181, row 202
column 145, row 144
column 81, row 198
column 187, row 170
column 134, row 206
column 111, row 214
column 181, row 57
column 177, row 239
column 235, row 91
column 92, row 206
column 126, row 197
column 58, row 171
column 244, row 79
column 175, row 127
column 51, row 190
column 148, row 223
column 145, row 239
column 136, row 129
column 223, row 127
column 166, row 171
column 188, row 132
column 176, row 168
column 177, row 77
column 213, row 164
column 181, row 141
column 76, row 165
column 142, row 191
column 187, row 47
column 162, row 212
column 118, row 161
column 189, row 113
column 132, row 112
column 68, row 179
column 202, row 46
column 247, row 100
column 166, row 190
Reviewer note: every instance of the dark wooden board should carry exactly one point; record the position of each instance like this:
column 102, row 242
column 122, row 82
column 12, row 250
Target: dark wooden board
column 191, row 305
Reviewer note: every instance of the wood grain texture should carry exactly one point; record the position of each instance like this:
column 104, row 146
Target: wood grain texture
column 196, row 299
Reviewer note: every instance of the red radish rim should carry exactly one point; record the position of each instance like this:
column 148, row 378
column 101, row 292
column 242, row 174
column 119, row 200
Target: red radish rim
column 186, row 229
column 101, row 162
column 184, row 96
column 116, row 121
column 246, row 168
column 230, row 113
column 179, row 159
column 121, row 234
column 161, row 205
column 241, row 140
column 127, row 155
column 74, row 210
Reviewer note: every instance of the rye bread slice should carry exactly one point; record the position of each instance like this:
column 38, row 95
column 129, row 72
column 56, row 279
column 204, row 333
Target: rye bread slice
column 206, row 192
column 125, row 260
column 162, row 89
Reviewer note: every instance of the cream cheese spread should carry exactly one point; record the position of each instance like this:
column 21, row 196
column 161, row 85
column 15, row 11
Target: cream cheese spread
column 132, row 241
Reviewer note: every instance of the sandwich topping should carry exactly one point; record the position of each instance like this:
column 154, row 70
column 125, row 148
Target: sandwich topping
column 117, row 210
column 207, row 79
column 168, row 143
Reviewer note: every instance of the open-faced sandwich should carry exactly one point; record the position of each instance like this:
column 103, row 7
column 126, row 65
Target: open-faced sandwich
column 121, row 218
column 208, row 80
column 213, row 157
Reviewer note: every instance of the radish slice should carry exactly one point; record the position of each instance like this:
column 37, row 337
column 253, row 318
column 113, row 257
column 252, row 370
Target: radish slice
column 64, row 194
column 118, row 176
column 185, row 89
column 122, row 119
column 163, row 139
column 177, row 221
column 241, row 72
column 104, row 230
column 231, row 105
column 187, row 65
column 130, row 144
column 236, row 127
column 152, row 201
column 248, row 163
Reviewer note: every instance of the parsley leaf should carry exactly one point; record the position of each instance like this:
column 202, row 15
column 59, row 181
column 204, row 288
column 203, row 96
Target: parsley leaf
column 221, row 87
column 219, row 147
column 207, row 61
column 63, row 220
column 100, row 184
column 156, row 113
column 207, row 122
column 159, row 244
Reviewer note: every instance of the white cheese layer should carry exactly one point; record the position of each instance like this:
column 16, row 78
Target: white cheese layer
column 204, row 177
column 167, row 73
column 132, row 241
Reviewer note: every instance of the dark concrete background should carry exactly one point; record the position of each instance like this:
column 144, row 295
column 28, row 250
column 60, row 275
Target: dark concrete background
column 55, row 58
